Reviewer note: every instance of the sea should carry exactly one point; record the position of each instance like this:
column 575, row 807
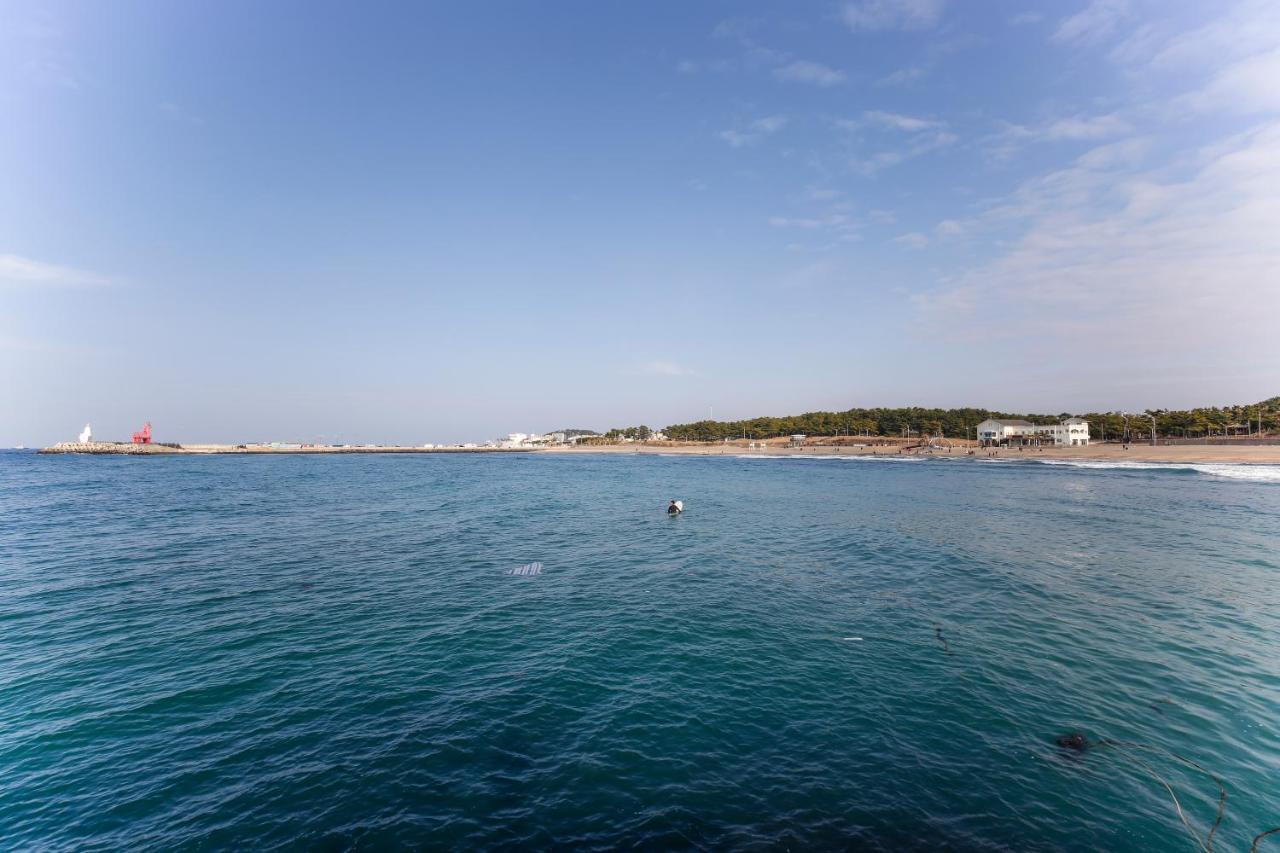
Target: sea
column 334, row 653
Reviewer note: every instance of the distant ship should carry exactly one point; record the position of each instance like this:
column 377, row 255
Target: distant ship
column 21, row 447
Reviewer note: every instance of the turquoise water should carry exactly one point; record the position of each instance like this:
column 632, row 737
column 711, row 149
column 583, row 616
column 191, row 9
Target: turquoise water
column 324, row 652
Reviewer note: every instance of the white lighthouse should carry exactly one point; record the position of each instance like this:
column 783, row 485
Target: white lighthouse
column 86, row 434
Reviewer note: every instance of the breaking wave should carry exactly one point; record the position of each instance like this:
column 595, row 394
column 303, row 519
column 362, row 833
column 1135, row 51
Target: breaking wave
column 1231, row 471
column 1226, row 470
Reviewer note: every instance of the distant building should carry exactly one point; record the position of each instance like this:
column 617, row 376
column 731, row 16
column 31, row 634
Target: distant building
column 1073, row 432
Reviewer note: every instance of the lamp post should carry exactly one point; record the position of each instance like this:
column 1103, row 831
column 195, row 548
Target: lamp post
column 1153, row 428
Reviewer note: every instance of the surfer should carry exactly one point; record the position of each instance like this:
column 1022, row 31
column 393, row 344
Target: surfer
column 676, row 507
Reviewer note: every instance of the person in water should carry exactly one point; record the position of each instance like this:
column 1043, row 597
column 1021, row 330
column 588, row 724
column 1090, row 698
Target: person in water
column 676, row 507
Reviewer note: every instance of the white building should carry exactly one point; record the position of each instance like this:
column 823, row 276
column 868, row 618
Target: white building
column 1073, row 432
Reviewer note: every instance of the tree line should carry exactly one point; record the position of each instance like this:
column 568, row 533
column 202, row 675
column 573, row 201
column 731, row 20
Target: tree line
column 960, row 423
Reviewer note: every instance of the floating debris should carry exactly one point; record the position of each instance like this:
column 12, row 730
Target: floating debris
column 1077, row 742
column 937, row 632
column 851, row 638
column 526, row 570
column 1074, row 741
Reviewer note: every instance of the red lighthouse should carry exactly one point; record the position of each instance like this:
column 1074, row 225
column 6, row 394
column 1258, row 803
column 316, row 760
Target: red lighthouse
column 143, row 436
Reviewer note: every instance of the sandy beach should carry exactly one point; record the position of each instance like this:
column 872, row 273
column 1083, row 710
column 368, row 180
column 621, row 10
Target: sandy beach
column 1185, row 453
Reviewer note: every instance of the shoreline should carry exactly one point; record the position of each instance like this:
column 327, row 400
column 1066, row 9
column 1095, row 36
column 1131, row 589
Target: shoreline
column 1167, row 454
column 1164, row 454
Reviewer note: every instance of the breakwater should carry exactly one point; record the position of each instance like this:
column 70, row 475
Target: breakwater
column 120, row 448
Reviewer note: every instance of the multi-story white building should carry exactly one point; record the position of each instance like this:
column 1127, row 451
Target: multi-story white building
column 1073, row 432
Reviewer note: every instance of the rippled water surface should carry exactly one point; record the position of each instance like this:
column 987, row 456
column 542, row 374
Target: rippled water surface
column 259, row 652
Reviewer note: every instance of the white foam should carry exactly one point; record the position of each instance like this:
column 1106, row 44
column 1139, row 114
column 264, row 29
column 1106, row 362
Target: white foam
column 1228, row 470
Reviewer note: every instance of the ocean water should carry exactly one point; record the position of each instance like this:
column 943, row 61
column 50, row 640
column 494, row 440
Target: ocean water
column 327, row 653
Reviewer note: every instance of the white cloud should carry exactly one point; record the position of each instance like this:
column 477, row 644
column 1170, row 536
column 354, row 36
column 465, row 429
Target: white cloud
column 949, row 228
column 904, row 76
column 896, row 121
column 803, row 71
column 1251, row 85
column 1113, row 259
column 19, row 270
column 1086, row 127
column 1075, row 128
column 835, row 220
column 1239, row 29
column 876, row 162
column 769, row 124
column 754, row 132
column 1022, row 19
column 874, row 15
column 917, row 143
column 1093, row 23
column 914, row 240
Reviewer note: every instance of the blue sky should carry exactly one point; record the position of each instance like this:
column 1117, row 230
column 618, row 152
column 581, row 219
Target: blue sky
column 435, row 222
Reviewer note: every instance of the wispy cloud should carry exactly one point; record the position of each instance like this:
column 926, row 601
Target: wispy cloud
column 1085, row 127
column 753, row 53
column 1074, row 128
column 1110, row 256
column 15, row 269
column 822, row 194
column 803, row 71
column 1092, row 23
column 1248, row 86
column 876, row 15
column 754, row 131
column 913, row 240
column 918, row 146
column 897, row 121
column 904, row 76
column 835, row 220
column 923, row 135
column 934, row 54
